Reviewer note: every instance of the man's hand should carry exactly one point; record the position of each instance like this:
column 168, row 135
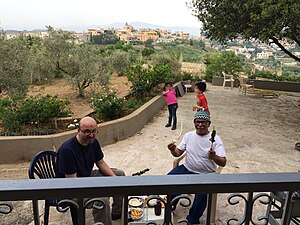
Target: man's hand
column 172, row 147
column 104, row 168
column 174, row 150
column 212, row 154
column 220, row 161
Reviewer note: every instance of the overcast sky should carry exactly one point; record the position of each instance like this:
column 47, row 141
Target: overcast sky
column 34, row 14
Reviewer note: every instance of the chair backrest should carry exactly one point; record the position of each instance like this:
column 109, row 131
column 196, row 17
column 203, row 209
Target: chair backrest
column 227, row 76
column 42, row 165
column 243, row 80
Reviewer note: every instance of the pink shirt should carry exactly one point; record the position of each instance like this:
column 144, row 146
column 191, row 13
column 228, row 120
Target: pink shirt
column 170, row 97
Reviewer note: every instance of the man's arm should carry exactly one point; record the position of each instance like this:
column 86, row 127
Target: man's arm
column 174, row 150
column 220, row 161
column 104, row 168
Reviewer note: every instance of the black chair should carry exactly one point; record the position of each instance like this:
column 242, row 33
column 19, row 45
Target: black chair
column 278, row 205
column 42, row 166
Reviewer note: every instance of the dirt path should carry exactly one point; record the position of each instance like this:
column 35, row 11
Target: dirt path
column 259, row 136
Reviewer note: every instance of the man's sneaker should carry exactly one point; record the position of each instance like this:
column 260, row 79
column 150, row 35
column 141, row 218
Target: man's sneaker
column 173, row 128
column 116, row 216
column 168, row 125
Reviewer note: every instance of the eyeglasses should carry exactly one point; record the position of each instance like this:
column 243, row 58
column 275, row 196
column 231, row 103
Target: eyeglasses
column 201, row 121
column 89, row 132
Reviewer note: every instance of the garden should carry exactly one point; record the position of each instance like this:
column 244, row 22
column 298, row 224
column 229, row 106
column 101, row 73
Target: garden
column 89, row 69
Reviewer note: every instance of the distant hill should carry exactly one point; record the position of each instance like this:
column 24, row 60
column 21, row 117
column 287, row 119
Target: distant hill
column 10, row 31
column 194, row 31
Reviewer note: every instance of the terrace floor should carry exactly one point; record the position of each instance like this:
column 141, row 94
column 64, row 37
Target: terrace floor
column 259, row 136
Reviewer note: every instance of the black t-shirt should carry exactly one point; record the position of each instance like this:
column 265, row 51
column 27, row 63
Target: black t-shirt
column 73, row 157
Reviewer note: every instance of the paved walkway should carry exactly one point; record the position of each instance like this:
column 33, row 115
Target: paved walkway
column 259, row 136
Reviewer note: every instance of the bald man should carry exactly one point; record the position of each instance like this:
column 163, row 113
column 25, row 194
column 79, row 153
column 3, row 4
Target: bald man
column 77, row 157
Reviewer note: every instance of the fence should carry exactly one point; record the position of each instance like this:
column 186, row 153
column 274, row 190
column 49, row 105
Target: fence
column 80, row 188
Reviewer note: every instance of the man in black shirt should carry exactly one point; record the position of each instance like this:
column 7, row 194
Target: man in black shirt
column 77, row 157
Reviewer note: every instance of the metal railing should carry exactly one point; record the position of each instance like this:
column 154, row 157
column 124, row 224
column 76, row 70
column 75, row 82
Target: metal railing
column 81, row 188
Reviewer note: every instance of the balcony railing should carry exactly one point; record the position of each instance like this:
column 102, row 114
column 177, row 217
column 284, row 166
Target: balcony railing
column 80, row 188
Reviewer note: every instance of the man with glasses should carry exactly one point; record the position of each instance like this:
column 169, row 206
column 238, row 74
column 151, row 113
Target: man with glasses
column 202, row 157
column 76, row 158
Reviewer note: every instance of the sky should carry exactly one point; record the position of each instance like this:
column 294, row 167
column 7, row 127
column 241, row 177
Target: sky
column 36, row 14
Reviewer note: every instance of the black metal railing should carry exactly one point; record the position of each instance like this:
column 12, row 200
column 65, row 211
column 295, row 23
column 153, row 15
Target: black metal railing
column 82, row 188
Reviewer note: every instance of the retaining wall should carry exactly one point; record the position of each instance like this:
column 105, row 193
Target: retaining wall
column 23, row 148
column 264, row 84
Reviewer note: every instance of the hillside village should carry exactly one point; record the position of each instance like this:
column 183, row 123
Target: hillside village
column 263, row 57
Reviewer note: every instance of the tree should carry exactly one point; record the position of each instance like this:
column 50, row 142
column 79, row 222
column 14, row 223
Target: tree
column 121, row 60
column 226, row 62
column 13, row 66
column 84, row 67
column 147, row 52
column 164, row 59
column 41, row 67
column 106, row 38
column 269, row 21
column 58, row 46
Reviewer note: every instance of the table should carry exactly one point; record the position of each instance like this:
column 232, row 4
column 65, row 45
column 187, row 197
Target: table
column 150, row 216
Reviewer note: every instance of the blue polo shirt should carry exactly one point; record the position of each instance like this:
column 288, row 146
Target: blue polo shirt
column 73, row 158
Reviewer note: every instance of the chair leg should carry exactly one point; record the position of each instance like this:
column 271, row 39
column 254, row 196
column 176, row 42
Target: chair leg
column 213, row 209
column 46, row 213
column 36, row 214
column 231, row 84
column 224, row 83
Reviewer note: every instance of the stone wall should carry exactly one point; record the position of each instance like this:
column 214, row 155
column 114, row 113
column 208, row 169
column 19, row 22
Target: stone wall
column 264, row 84
column 23, row 148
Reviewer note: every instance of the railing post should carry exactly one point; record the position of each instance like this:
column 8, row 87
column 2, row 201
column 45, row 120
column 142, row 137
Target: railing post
column 168, row 211
column 81, row 212
column 249, row 208
column 125, row 210
column 287, row 210
column 36, row 214
column 209, row 208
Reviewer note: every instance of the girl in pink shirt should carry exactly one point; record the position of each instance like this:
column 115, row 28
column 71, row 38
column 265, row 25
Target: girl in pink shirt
column 170, row 96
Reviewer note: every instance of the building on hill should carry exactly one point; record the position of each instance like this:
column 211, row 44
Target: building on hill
column 264, row 55
column 146, row 35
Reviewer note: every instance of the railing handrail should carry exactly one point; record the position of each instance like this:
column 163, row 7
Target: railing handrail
column 124, row 186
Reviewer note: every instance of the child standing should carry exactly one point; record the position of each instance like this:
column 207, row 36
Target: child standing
column 201, row 99
column 170, row 96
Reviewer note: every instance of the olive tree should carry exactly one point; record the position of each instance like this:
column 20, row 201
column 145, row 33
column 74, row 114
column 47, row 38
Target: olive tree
column 13, row 66
column 269, row 21
column 85, row 66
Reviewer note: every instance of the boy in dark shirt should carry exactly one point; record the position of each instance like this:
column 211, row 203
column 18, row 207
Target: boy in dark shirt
column 77, row 157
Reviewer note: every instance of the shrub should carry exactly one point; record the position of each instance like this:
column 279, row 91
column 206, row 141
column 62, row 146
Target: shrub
column 133, row 103
column 269, row 75
column 144, row 80
column 5, row 104
column 186, row 76
column 32, row 110
column 42, row 109
column 147, row 52
column 226, row 62
column 108, row 106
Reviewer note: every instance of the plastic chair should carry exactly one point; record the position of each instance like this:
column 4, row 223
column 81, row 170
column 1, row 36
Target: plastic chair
column 42, row 166
column 214, row 196
column 228, row 78
column 278, row 205
column 243, row 87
